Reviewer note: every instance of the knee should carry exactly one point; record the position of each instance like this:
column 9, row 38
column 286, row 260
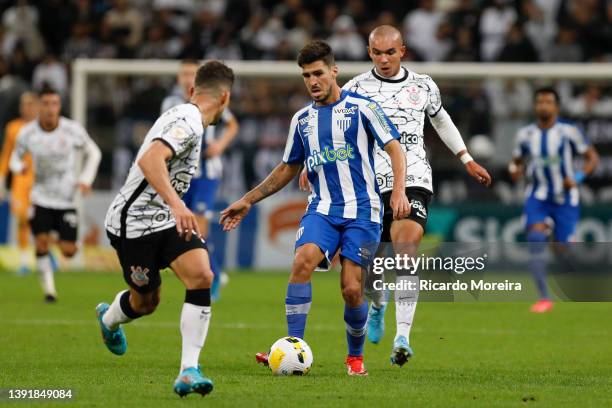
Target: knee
column 201, row 279
column 302, row 268
column 352, row 294
column 69, row 251
column 42, row 246
column 148, row 306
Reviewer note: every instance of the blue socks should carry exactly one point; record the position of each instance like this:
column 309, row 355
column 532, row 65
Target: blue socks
column 537, row 246
column 297, row 306
column 356, row 318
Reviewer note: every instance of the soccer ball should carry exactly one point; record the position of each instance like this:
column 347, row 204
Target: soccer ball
column 290, row 356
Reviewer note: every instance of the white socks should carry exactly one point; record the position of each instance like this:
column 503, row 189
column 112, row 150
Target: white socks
column 45, row 271
column 194, row 328
column 114, row 316
column 405, row 306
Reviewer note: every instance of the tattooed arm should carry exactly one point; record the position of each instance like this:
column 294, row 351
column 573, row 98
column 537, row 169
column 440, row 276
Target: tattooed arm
column 277, row 179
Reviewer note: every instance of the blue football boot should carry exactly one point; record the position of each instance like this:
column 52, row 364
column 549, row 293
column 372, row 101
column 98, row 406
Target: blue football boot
column 113, row 339
column 376, row 323
column 191, row 380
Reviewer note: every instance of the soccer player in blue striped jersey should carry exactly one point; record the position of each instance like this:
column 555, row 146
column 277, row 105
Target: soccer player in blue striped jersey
column 334, row 137
column 550, row 145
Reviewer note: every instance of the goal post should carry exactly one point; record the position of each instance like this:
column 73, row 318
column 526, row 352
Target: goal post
column 83, row 69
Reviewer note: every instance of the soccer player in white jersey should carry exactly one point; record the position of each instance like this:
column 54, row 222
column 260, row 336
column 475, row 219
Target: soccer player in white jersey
column 551, row 145
column 200, row 198
column 56, row 145
column 151, row 228
column 407, row 98
column 335, row 137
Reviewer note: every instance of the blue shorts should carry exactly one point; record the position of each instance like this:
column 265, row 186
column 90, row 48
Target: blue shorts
column 200, row 198
column 565, row 217
column 333, row 233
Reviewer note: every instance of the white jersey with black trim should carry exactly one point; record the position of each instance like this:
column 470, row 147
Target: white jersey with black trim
column 138, row 210
column 57, row 156
column 405, row 99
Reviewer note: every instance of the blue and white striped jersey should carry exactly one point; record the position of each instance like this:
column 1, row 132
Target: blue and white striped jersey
column 551, row 154
column 336, row 143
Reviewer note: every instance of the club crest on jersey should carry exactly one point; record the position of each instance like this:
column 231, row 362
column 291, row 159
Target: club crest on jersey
column 414, row 95
column 139, row 275
column 344, row 123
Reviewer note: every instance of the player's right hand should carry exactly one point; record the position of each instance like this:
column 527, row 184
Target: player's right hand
column 186, row 222
column 232, row 215
column 399, row 204
column 304, row 184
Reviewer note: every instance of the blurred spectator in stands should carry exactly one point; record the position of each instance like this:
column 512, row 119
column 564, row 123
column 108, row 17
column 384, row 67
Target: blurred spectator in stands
column 565, row 47
column 589, row 20
column 463, row 50
column 158, row 44
column 539, row 27
column 464, row 16
column 51, row 73
column 126, row 26
column 518, row 48
column 58, row 16
column 495, row 22
column 106, row 47
column 590, row 102
column 176, row 13
column 80, row 44
column 358, row 10
column 200, row 36
column 347, row 43
column 20, row 65
column 20, row 24
column 288, row 11
column 421, row 32
column 11, row 88
column 330, row 14
column 225, row 47
column 301, row 33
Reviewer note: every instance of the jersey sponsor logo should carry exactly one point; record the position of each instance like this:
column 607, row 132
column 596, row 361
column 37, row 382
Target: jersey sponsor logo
column 139, row 276
column 420, row 209
column 346, row 111
column 180, row 182
column 306, row 119
column 316, row 158
column 409, row 138
column 380, row 115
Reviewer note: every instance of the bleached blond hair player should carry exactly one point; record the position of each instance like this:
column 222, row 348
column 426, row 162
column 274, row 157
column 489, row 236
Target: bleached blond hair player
column 407, row 98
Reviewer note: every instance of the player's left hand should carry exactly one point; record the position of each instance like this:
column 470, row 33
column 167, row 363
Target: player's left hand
column 399, row 204
column 232, row 215
column 478, row 172
column 85, row 189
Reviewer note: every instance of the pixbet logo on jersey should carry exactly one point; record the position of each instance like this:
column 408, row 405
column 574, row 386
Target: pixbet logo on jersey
column 328, row 155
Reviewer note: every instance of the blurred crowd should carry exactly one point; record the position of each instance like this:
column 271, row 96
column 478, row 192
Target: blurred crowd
column 40, row 38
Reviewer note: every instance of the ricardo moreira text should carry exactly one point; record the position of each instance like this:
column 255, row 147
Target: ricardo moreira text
column 413, row 264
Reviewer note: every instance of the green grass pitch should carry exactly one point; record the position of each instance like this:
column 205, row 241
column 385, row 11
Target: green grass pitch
column 466, row 354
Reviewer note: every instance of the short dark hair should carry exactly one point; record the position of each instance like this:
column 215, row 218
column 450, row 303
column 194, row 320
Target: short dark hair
column 547, row 90
column 214, row 75
column 316, row 51
column 47, row 91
